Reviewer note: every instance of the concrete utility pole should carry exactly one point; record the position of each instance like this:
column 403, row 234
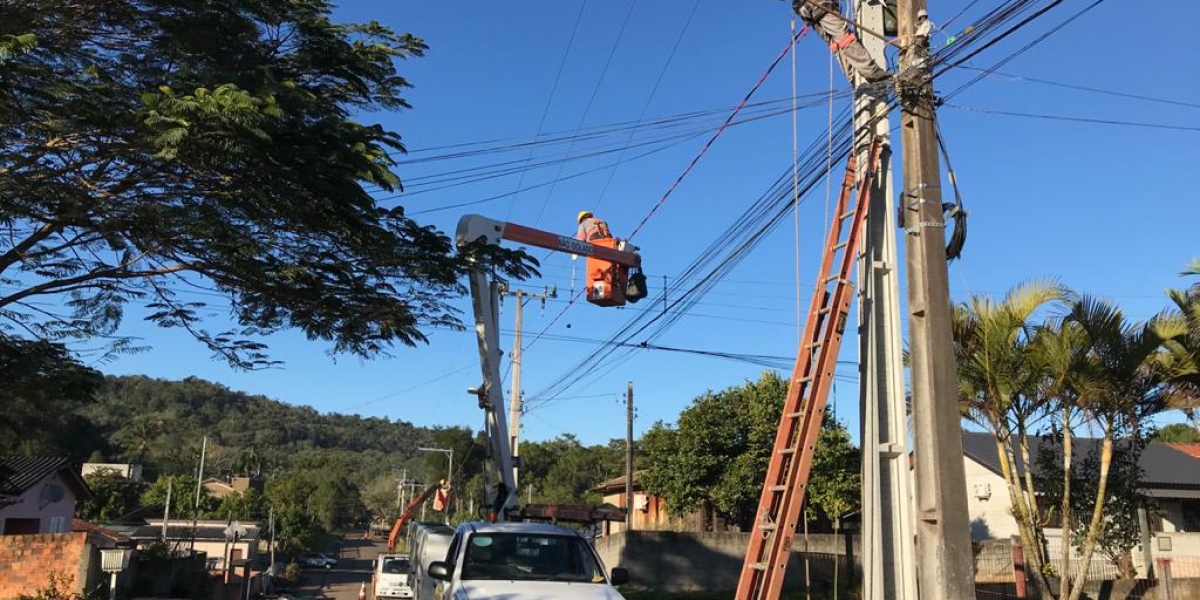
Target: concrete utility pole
column 514, row 410
column 945, row 569
column 629, row 457
column 167, row 508
column 199, row 487
column 889, row 565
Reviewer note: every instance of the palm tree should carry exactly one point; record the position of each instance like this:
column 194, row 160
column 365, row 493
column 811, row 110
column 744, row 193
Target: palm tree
column 1123, row 381
column 1002, row 387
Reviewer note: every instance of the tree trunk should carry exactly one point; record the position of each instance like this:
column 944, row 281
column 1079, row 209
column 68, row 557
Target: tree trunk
column 1020, row 513
column 1068, row 444
column 1031, row 494
column 1096, row 526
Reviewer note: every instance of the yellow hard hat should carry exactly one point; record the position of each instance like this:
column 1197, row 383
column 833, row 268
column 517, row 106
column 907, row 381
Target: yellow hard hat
column 583, row 214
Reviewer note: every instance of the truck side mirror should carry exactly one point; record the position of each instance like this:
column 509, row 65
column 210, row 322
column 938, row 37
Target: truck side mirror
column 620, row 576
column 439, row 570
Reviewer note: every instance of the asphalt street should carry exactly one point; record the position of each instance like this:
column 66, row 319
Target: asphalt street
column 355, row 557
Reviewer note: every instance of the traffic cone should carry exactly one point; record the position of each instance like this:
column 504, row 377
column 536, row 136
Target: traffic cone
column 362, row 591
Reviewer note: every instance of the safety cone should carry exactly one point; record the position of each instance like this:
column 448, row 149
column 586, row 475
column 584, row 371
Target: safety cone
column 362, row 591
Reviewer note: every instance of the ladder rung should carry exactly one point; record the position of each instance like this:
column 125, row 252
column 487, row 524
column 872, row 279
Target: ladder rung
column 778, row 488
column 795, row 415
column 849, row 213
column 787, row 451
column 766, row 527
column 841, row 245
column 759, row 566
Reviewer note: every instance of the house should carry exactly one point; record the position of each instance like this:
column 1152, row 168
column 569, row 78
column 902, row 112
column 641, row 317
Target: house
column 649, row 511
column 128, row 471
column 1171, row 476
column 40, row 493
column 213, row 537
column 219, row 488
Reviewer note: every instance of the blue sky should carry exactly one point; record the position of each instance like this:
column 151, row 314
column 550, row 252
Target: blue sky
column 1109, row 210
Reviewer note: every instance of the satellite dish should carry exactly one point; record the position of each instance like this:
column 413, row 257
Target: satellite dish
column 55, row 494
column 51, row 494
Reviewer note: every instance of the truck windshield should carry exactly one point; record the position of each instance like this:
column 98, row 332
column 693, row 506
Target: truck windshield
column 519, row 556
column 394, row 566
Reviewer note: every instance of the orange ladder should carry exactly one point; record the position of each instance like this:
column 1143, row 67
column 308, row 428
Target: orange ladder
column 791, row 458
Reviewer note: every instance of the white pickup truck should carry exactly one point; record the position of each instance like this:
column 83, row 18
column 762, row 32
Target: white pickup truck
column 523, row 561
column 391, row 577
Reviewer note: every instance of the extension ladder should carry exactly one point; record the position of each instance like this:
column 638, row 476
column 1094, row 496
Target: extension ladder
column 791, row 458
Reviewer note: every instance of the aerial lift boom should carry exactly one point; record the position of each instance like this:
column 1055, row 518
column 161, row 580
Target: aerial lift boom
column 616, row 258
column 411, row 509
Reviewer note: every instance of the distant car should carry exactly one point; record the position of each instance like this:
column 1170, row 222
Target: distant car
column 317, row 559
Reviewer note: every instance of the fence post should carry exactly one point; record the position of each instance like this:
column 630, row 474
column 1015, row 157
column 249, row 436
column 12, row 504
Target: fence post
column 1165, row 578
column 1018, row 556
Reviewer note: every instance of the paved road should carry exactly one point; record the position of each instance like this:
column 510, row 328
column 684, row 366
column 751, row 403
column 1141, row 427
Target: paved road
column 355, row 557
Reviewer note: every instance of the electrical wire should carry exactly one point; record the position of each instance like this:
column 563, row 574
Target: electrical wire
column 752, row 226
column 1074, row 119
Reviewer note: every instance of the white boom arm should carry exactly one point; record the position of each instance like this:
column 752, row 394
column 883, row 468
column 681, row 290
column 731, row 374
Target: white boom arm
column 485, row 300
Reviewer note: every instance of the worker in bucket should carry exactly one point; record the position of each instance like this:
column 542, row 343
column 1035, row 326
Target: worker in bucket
column 823, row 16
column 591, row 228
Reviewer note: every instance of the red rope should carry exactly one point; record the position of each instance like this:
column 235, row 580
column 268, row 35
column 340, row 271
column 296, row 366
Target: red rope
column 678, row 180
column 720, row 129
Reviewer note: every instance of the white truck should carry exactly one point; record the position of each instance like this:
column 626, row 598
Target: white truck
column 427, row 543
column 523, row 561
column 391, row 577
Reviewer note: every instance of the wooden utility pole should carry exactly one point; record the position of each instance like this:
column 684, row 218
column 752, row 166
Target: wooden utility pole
column 514, row 410
column 945, row 569
column 629, row 458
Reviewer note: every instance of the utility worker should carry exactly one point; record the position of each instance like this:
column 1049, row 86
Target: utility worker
column 591, row 228
column 824, row 18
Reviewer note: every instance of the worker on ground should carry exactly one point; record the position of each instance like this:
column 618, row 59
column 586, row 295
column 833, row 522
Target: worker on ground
column 823, row 16
column 591, row 228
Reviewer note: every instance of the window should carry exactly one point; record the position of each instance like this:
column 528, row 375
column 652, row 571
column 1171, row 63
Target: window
column 58, row 524
column 1191, row 516
column 22, row 526
column 397, row 566
column 513, row 556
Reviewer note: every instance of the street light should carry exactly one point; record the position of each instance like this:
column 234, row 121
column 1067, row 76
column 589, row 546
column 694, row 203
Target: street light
column 114, row 560
column 450, row 466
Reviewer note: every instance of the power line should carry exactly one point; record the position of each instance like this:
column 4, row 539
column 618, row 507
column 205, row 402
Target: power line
column 1075, row 119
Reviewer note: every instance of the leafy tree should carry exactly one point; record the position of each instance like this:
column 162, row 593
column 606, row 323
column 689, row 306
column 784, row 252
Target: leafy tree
column 1126, row 382
column 43, row 388
column 563, row 470
column 718, row 453
column 836, row 487
column 247, row 505
column 1178, row 433
column 1123, row 496
column 183, row 498
column 380, row 499
column 114, row 497
column 154, row 147
column 1006, row 384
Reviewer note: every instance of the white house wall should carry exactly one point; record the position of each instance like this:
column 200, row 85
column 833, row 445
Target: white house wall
column 988, row 503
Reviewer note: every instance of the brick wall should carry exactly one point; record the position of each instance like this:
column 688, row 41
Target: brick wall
column 27, row 561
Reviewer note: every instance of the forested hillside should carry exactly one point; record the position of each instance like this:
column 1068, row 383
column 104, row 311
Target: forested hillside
column 160, row 424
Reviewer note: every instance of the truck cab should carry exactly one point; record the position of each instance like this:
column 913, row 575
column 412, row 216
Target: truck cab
column 524, row 561
column 391, row 577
